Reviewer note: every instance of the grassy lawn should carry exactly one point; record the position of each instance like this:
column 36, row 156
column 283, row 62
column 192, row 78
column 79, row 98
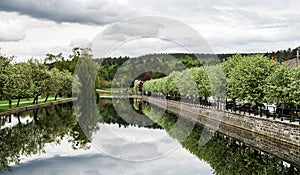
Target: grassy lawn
column 104, row 94
column 41, row 101
column 118, row 89
column 16, row 100
column 22, row 100
column 114, row 89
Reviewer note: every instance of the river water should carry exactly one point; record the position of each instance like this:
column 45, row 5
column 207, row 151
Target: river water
column 129, row 138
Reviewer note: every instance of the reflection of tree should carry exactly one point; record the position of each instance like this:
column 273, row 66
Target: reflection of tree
column 225, row 155
column 84, row 88
column 50, row 125
column 110, row 115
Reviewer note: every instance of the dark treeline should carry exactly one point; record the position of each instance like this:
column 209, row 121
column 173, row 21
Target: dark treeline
column 109, row 66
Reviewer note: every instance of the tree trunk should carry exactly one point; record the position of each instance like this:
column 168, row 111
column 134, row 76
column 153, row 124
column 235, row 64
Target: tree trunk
column 55, row 97
column 35, row 113
column 19, row 120
column 37, row 99
column 282, row 108
column 46, row 99
column 234, row 109
column 9, row 118
column 47, row 112
column 19, row 99
column 9, row 103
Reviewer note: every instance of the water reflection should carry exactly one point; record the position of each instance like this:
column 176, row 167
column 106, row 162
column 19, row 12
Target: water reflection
column 115, row 143
column 224, row 154
column 57, row 131
column 138, row 138
column 47, row 125
column 109, row 114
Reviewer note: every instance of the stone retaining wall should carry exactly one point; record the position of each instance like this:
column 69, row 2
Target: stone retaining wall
column 282, row 131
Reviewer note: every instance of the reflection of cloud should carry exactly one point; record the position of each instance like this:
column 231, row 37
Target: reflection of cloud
column 134, row 144
column 15, row 121
column 61, row 159
column 177, row 163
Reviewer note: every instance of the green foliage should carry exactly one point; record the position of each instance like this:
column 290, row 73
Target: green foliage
column 230, row 63
column 217, row 80
column 136, row 87
column 247, row 78
column 252, row 77
column 277, row 86
column 86, row 109
column 202, row 80
column 32, row 79
column 294, row 91
column 18, row 82
column 184, row 83
column 40, row 78
column 169, row 86
column 4, row 65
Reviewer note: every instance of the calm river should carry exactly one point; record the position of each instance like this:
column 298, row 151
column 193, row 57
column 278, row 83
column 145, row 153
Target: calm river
column 130, row 138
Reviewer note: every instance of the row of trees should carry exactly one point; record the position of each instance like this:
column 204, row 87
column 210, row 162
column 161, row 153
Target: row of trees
column 253, row 78
column 31, row 79
column 259, row 79
column 197, row 81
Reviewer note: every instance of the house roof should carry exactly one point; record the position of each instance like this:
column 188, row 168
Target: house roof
column 292, row 63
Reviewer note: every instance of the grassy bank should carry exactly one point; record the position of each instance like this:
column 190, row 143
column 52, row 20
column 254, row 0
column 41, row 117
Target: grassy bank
column 25, row 103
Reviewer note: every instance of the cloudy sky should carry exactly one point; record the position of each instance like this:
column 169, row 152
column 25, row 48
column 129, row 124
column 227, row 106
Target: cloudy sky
column 32, row 28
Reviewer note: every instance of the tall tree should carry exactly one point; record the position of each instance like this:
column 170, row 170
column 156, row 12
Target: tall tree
column 277, row 86
column 202, row 80
column 249, row 78
column 228, row 69
column 40, row 72
column 294, row 91
column 4, row 65
column 19, row 82
column 52, row 83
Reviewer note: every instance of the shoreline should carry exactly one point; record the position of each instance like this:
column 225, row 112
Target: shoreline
column 35, row 106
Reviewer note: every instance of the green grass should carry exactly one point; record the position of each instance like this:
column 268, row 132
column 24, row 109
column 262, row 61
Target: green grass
column 104, row 94
column 117, row 89
column 22, row 100
column 41, row 101
column 16, row 100
column 114, row 89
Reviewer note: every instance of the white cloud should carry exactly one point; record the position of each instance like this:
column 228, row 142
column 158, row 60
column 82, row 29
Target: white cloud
column 11, row 30
column 80, row 42
column 42, row 37
column 35, row 28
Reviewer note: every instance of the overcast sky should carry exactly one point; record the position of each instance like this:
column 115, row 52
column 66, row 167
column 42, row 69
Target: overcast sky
column 32, row 28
